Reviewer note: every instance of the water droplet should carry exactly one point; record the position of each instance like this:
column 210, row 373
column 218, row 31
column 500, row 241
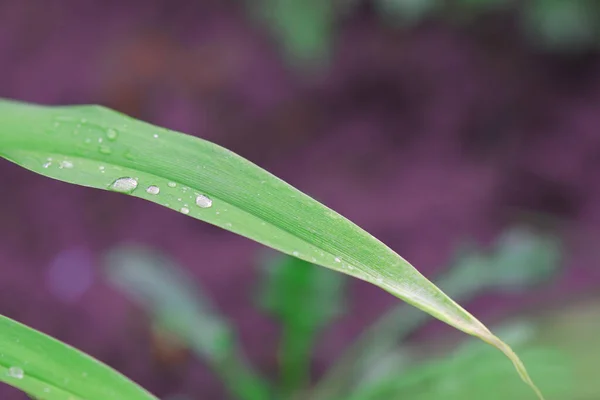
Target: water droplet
column 379, row 280
column 104, row 149
column 129, row 156
column 337, row 259
column 185, row 210
column 66, row 164
column 153, row 190
column 155, row 136
column 16, row 372
column 100, row 140
column 47, row 164
column 101, row 168
column 295, row 253
column 112, row 134
column 203, row 202
column 172, row 184
column 124, row 185
column 228, row 225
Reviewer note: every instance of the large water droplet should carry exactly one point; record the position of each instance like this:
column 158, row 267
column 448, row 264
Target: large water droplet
column 16, row 372
column 112, row 134
column 153, row 190
column 185, row 210
column 105, row 149
column 124, row 185
column 203, row 202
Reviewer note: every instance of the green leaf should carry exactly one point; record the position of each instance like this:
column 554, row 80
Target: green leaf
column 520, row 258
column 473, row 373
column 304, row 298
column 96, row 147
column 177, row 306
column 48, row 369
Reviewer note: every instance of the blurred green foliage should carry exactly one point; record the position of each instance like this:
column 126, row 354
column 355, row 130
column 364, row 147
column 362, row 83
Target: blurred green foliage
column 304, row 300
column 380, row 364
column 306, row 29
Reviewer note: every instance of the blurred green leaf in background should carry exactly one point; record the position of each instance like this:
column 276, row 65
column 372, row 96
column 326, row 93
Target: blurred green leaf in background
column 380, row 364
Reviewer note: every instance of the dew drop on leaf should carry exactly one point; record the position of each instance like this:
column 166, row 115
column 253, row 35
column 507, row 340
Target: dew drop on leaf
column 203, row 202
column 112, row 134
column 105, row 149
column 16, row 372
column 171, row 184
column 124, row 185
column 185, row 210
column 153, row 190
column 66, row 164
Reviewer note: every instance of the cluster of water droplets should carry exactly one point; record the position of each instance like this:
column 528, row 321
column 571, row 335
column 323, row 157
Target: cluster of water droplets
column 129, row 185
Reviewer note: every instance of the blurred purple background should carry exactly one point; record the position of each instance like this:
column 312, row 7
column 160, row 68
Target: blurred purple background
column 422, row 136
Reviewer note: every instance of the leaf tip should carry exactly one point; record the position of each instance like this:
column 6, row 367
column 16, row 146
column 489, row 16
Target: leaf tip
column 514, row 358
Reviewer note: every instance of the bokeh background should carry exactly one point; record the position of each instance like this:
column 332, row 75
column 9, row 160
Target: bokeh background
column 426, row 122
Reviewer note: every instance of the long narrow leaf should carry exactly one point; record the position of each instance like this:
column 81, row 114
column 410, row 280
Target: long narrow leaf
column 47, row 369
column 96, row 147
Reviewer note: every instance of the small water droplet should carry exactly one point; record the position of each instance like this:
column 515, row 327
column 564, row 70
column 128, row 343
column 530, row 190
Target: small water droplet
column 16, row 372
column 47, row 164
column 101, row 168
column 112, row 134
column 295, row 253
column 124, row 185
column 155, row 136
column 104, row 149
column 129, row 156
column 203, row 202
column 228, row 225
column 66, row 164
column 337, row 259
column 379, row 280
column 172, row 184
column 185, row 210
column 153, row 190
column 100, row 140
